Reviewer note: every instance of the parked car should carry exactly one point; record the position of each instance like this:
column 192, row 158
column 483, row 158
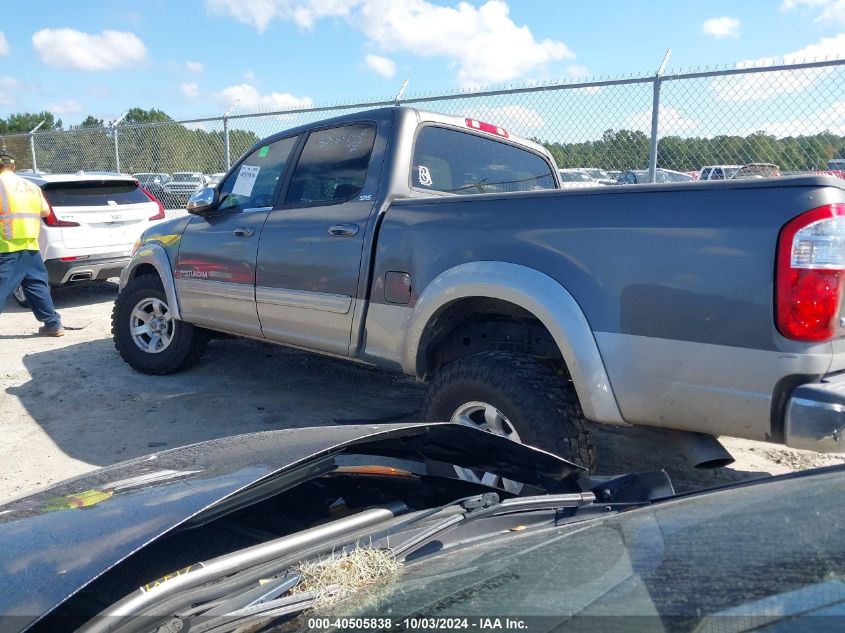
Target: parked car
column 154, row 183
column 718, row 172
column 600, row 176
column 215, row 179
column 94, row 221
column 756, row 170
column 181, row 186
column 640, row 176
column 316, row 529
column 527, row 310
column 148, row 179
column 575, row 179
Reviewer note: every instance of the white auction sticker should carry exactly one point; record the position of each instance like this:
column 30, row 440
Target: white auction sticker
column 246, row 180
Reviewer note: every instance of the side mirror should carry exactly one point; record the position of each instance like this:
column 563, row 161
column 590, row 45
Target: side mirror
column 203, row 201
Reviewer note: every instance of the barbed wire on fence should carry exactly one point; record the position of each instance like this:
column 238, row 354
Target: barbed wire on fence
column 790, row 115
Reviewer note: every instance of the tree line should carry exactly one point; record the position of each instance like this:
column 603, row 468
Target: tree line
column 167, row 147
column 171, row 146
column 627, row 149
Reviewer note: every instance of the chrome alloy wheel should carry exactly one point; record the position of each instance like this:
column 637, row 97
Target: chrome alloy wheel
column 488, row 418
column 151, row 325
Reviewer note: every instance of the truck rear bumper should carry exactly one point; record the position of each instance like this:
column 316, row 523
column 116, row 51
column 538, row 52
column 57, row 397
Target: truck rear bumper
column 815, row 416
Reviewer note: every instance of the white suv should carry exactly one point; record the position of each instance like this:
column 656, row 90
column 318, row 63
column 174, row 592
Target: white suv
column 93, row 223
column 718, row 172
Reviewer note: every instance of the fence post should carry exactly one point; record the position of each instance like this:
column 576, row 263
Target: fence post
column 32, row 145
column 114, row 125
column 227, row 156
column 116, row 150
column 227, row 159
column 32, row 151
column 655, row 119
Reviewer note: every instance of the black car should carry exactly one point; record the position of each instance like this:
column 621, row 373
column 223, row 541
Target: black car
column 338, row 528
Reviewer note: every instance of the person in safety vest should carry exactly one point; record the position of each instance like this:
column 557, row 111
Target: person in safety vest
column 22, row 205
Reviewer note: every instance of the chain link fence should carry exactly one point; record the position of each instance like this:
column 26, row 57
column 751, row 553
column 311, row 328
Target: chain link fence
column 637, row 128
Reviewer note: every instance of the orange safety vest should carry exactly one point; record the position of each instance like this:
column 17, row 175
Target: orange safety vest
column 21, row 204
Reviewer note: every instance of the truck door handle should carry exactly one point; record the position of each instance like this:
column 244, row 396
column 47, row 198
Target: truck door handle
column 243, row 231
column 343, row 230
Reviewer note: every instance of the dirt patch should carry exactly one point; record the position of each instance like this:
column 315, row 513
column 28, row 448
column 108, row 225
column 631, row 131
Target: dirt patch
column 69, row 405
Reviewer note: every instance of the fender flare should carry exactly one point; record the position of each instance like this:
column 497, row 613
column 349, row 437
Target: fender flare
column 543, row 297
column 156, row 256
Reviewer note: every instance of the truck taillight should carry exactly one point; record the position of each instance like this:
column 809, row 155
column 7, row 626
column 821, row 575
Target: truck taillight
column 811, row 274
column 475, row 124
column 160, row 214
column 52, row 220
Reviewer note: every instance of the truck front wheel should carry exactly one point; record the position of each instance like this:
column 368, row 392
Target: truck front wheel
column 146, row 334
column 511, row 395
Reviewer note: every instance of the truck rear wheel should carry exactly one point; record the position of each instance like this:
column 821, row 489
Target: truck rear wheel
column 146, row 334
column 511, row 395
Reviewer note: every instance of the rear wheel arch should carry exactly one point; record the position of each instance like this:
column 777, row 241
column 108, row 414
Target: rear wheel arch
column 473, row 325
column 530, row 298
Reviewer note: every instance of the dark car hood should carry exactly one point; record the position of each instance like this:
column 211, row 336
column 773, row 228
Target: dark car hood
column 57, row 541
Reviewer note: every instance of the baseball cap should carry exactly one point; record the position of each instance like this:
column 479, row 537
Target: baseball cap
column 6, row 158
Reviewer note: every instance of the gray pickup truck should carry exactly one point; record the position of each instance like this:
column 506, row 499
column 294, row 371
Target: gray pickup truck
column 444, row 248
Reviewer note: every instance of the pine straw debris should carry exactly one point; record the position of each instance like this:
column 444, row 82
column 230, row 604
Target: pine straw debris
column 342, row 574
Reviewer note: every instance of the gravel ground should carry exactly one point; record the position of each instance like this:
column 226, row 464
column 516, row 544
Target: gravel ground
column 69, row 405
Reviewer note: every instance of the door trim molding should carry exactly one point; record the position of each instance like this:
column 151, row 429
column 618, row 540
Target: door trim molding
column 225, row 289
column 323, row 301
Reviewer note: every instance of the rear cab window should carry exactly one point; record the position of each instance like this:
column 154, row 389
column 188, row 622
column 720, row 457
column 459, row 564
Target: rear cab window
column 453, row 161
column 93, row 194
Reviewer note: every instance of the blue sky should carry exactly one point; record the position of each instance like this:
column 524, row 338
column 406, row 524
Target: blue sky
column 195, row 57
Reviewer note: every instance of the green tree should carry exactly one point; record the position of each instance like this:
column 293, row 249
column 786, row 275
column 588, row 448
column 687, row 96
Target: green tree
column 139, row 115
column 23, row 122
column 91, row 121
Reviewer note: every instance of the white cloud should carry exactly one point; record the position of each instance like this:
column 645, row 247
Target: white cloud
column 4, row 44
column 190, row 90
column 259, row 13
column 196, row 125
column 63, row 108
column 829, row 10
column 760, row 86
column 830, row 119
column 249, row 98
column 249, row 77
column 380, row 65
column 194, row 67
column 516, row 119
column 482, row 44
column 9, row 89
column 721, row 27
column 68, row 48
column 671, row 122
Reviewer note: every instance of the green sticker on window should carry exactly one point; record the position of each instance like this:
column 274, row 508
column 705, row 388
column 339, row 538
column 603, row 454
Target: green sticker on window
column 264, row 151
